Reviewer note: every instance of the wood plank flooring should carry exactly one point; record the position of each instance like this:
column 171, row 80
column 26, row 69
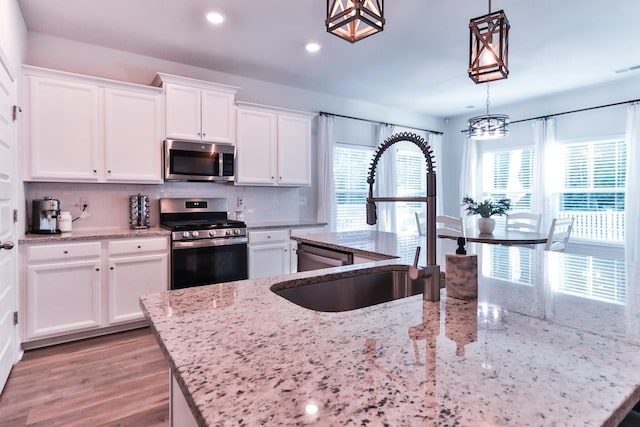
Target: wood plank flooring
column 116, row 380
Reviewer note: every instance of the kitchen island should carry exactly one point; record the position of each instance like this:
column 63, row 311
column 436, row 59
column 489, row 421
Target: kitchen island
column 518, row 355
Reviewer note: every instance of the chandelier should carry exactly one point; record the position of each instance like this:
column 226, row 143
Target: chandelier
column 489, row 47
column 488, row 126
column 353, row 20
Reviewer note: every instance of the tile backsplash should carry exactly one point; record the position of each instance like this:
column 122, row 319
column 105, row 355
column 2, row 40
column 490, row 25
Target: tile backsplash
column 108, row 204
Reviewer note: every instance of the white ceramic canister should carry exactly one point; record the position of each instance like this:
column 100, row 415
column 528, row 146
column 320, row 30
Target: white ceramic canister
column 64, row 221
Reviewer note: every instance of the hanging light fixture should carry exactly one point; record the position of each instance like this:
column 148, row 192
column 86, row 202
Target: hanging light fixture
column 489, row 126
column 354, row 20
column 489, row 47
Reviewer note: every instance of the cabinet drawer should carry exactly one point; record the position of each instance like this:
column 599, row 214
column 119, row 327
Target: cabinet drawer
column 138, row 246
column 63, row 251
column 268, row 236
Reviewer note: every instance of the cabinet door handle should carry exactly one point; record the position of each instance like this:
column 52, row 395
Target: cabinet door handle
column 7, row 245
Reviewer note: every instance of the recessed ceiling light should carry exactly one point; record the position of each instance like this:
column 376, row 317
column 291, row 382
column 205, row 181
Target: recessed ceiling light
column 312, row 47
column 215, row 17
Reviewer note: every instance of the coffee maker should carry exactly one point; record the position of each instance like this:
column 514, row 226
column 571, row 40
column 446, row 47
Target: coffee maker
column 44, row 216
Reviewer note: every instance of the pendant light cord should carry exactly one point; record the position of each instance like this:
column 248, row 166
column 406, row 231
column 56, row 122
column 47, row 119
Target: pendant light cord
column 487, row 103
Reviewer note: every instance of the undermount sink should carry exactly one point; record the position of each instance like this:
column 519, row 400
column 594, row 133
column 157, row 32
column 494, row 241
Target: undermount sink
column 364, row 288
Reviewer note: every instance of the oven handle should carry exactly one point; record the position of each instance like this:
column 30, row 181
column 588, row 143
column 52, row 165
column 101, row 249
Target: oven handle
column 204, row 243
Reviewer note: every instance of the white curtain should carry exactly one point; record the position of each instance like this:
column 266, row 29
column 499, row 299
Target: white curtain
column 435, row 142
column 386, row 180
column 545, row 170
column 632, row 202
column 469, row 180
column 326, row 187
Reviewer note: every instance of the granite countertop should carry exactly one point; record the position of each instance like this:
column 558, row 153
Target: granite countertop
column 293, row 223
column 92, row 234
column 243, row 355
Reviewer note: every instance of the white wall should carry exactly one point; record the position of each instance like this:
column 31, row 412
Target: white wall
column 594, row 123
column 263, row 204
column 13, row 34
column 53, row 52
column 13, row 45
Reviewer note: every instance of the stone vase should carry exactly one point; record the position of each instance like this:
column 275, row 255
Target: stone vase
column 486, row 225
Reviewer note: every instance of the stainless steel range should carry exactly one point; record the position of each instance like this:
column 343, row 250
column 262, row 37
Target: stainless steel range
column 206, row 246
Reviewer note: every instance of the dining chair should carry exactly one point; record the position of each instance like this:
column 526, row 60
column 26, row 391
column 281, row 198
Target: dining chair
column 523, row 221
column 559, row 234
column 445, row 224
column 419, row 224
column 449, row 225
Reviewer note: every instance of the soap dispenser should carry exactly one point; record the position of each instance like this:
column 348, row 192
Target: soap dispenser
column 461, row 279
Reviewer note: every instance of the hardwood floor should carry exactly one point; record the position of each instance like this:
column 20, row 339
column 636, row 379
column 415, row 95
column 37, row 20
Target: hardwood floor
column 115, row 380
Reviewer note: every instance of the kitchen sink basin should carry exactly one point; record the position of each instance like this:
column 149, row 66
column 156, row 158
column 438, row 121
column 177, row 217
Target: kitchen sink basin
column 335, row 292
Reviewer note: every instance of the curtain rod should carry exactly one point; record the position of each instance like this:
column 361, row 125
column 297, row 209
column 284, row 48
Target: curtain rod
column 576, row 111
column 323, row 113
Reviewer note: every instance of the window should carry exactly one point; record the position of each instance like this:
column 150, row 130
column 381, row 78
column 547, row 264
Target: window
column 587, row 277
column 350, row 170
column 593, row 189
column 411, row 178
column 508, row 173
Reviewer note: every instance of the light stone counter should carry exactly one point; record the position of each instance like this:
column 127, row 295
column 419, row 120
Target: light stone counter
column 243, row 355
column 92, row 234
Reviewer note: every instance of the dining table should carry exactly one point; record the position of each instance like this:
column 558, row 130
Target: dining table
column 502, row 237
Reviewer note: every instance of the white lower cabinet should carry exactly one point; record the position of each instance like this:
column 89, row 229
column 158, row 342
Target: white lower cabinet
column 70, row 288
column 63, row 297
column 130, row 277
column 269, row 253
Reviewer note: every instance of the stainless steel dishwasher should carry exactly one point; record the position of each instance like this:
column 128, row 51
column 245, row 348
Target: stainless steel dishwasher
column 311, row 257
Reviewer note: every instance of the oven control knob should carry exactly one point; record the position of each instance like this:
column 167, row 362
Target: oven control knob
column 236, row 232
column 185, row 234
column 195, row 234
column 212, row 233
column 228, row 232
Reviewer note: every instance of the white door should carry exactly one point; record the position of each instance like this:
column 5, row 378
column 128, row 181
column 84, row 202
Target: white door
column 8, row 298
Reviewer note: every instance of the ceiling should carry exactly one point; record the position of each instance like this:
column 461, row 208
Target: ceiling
column 418, row 62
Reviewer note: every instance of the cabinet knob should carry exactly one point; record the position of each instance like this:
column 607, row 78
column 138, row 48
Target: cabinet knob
column 95, row 171
column 97, row 269
column 199, row 134
column 66, row 252
column 110, row 268
column 139, row 246
column 108, row 171
column 204, row 134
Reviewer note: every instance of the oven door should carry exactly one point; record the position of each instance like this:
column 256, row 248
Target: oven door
column 203, row 262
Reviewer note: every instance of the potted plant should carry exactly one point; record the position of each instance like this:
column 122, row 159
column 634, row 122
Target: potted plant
column 486, row 209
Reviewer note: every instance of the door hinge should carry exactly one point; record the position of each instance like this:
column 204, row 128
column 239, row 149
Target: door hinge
column 15, row 215
column 16, row 110
column 15, row 317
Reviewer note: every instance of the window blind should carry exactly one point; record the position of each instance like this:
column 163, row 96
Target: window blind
column 350, row 170
column 593, row 189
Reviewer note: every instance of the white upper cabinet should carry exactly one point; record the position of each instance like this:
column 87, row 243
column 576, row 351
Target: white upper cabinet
column 85, row 129
column 198, row 110
column 273, row 147
column 256, row 147
column 62, row 129
column 132, row 136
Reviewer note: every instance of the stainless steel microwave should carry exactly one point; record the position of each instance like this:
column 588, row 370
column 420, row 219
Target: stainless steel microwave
column 198, row 161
